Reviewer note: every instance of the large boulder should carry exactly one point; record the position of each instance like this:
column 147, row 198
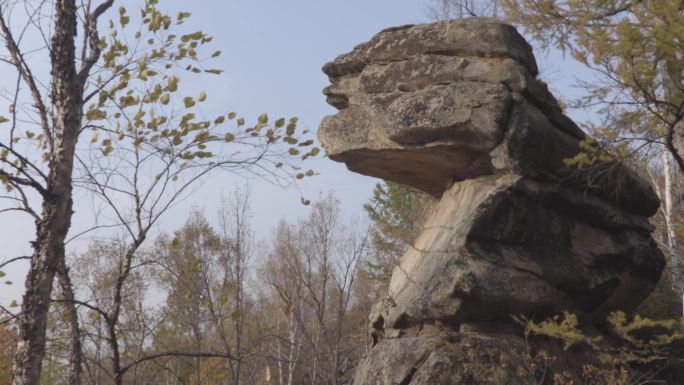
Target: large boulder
column 503, row 245
column 455, row 109
column 429, row 104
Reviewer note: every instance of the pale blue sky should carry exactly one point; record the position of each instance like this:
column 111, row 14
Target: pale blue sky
column 272, row 54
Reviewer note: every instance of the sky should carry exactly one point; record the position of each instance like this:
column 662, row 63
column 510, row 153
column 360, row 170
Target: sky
column 273, row 52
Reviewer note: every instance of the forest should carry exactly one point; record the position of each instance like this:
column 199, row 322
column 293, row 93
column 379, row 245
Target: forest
column 155, row 234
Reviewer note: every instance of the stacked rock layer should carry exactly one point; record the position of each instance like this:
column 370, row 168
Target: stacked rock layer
column 455, row 109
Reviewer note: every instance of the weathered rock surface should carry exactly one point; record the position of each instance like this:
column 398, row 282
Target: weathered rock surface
column 446, row 359
column 498, row 246
column 454, row 109
column 459, row 98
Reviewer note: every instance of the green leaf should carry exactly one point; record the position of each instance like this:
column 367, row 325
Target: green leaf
column 192, row 36
column 202, row 137
column 172, row 86
column 183, row 15
column 187, row 118
column 188, row 101
column 96, row 114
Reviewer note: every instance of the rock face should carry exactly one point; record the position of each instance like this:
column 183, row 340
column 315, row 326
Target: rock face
column 454, row 109
column 429, row 104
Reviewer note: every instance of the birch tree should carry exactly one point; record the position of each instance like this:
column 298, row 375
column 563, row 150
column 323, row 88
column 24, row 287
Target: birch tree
column 313, row 270
column 100, row 110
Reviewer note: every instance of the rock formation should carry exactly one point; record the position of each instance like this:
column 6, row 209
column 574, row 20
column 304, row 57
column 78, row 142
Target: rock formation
column 455, row 109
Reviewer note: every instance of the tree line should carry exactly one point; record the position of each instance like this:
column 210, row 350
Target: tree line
column 209, row 304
